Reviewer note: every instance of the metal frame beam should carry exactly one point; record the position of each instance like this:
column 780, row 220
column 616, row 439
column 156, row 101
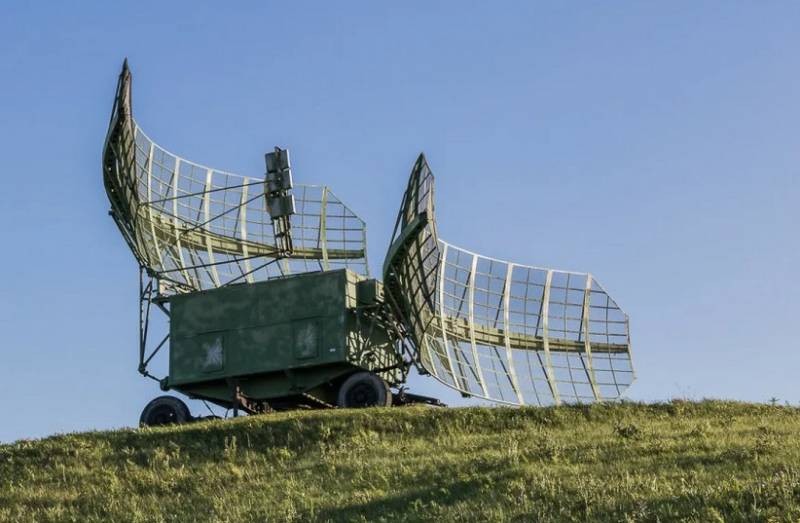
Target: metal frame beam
column 548, row 361
column 512, row 372
column 471, row 309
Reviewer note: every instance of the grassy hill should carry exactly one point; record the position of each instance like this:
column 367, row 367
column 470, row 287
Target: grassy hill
column 708, row 461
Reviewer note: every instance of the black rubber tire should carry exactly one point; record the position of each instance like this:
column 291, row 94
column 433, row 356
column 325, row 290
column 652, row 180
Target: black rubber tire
column 164, row 410
column 364, row 389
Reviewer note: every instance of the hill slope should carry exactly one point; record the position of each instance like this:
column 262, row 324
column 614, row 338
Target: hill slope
column 703, row 461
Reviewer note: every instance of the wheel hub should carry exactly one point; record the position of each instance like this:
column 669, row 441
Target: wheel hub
column 163, row 415
column 362, row 395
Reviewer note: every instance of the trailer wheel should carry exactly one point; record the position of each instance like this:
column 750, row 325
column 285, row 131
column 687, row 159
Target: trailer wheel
column 164, row 410
column 364, row 389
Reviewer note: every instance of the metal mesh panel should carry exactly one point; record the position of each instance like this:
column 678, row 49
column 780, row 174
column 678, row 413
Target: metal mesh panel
column 410, row 268
column 525, row 335
column 502, row 331
column 196, row 227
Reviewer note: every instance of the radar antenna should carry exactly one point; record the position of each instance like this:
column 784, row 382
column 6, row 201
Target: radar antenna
column 194, row 227
column 488, row 328
column 498, row 330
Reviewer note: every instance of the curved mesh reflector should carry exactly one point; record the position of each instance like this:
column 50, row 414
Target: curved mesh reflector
column 196, row 227
column 498, row 330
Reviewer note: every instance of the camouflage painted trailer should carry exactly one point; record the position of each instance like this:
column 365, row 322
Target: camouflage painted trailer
column 286, row 341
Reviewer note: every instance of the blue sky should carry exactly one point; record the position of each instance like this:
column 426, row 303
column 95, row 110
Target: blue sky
column 656, row 145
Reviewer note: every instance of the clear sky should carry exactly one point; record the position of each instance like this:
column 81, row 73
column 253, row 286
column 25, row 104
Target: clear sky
column 656, row 145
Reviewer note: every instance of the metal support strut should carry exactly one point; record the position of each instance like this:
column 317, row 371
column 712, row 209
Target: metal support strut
column 148, row 295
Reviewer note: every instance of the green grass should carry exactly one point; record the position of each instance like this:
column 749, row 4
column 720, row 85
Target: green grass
column 678, row 461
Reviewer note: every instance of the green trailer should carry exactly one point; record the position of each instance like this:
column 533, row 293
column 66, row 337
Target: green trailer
column 269, row 302
column 284, row 342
